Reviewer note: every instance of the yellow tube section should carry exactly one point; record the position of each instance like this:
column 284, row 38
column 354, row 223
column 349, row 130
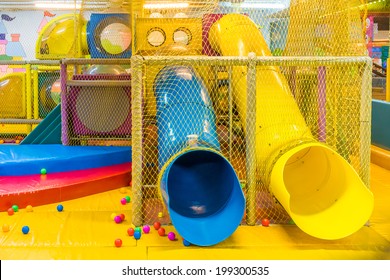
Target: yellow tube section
column 317, row 187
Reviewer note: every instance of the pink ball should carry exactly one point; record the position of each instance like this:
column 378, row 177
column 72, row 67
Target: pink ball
column 123, row 201
column 146, row 229
column 171, row 236
column 118, row 219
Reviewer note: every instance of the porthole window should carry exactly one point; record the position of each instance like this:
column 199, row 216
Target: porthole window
column 182, row 35
column 156, row 37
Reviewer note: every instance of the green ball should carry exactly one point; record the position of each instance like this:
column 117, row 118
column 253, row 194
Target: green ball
column 15, row 207
column 138, row 229
column 43, row 171
column 127, row 198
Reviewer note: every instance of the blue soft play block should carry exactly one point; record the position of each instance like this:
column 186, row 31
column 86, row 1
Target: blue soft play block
column 18, row 160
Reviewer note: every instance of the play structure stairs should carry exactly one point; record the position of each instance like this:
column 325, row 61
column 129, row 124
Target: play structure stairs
column 48, row 131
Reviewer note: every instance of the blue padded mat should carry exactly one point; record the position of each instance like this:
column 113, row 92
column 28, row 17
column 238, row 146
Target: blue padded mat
column 18, row 160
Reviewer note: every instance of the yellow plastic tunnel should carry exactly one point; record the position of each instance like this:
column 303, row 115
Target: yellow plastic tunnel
column 317, row 187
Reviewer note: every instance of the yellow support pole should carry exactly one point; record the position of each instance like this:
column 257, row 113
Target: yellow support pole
column 35, row 94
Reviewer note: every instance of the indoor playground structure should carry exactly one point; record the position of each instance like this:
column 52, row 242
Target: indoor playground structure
column 200, row 124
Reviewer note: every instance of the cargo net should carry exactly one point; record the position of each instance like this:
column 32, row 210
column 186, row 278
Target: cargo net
column 97, row 104
column 28, row 93
column 331, row 95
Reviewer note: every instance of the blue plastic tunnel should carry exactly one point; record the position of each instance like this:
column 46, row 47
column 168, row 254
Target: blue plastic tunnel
column 198, row 184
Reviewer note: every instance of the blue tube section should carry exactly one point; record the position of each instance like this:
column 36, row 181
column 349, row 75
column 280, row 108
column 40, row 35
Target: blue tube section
column 198, row 184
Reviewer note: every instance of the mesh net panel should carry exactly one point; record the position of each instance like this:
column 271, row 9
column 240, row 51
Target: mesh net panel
column 333, row 97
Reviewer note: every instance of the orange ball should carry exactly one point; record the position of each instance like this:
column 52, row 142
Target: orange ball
column 29, row 208
column 118, row 242
column 10, row 211
column 156, row 225
column 5, row 228
column 265, row 222
column 161, row 231
column 130, row 231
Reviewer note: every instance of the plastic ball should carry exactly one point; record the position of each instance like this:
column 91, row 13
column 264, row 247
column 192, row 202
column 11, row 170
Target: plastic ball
column 265, row 222
column 161, row 231
column 127, row 198
column 5, row 228
column 146, row 229
column 186, row 243
column 29, row 208
column 130, row 231
column 25, row 229
column 17, row 141
column 60, row 207
column 156, row 225
column 122, row 217
column 15, row 207
column 43, row 171
column 10, row 211
column 1, row 141
column 122, row 190
column 117, row 219
column 113, row 215
column 118, row 242
column 171, row 236
column 123, row 201
column 160, row 214
column 138, row 229
column 137, row 235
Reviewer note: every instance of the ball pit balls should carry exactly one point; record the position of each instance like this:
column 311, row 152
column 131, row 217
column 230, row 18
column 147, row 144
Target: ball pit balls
column 29, row 208
column 161, row 231
column 43, row 171
column 60, row 207
column 130, row 231
column 160, row 214
column 146, row 229
column 15, row 207
column 123, row 201
column 171, row 236
column 186, row 243
column 138, row 229
column 156, row 225
column 118, row 242
column 127, row 198
column 122, row 190
column 5, row 228
column 137, row 235
column 118, row 219
column 122, row 217
column 1, row 141
column 25, row 229
column 265, row 222
column 113, row 215
column 10, row 211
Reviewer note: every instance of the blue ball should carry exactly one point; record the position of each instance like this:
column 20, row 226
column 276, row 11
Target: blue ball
column 25, row 229
column 60, row 207
column 186, row 243
column 137, row 235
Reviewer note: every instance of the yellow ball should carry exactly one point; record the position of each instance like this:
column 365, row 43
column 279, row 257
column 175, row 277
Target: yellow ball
column 29, row 208
column 123, row 190
column 160, row 214
column 113, row 215
column 1, row 141
column 5, row 228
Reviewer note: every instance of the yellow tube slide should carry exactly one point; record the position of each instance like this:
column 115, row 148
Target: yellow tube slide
column 317, row 187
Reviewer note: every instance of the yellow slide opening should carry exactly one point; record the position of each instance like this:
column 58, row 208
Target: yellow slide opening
column 317, row 187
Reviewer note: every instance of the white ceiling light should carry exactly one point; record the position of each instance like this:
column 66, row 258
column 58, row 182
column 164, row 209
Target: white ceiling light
column 61, row 5
column 179, row 5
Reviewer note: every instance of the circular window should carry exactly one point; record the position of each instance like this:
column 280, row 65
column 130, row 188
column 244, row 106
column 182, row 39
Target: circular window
column 156, row 37
column 182, row 35
column 114, row 36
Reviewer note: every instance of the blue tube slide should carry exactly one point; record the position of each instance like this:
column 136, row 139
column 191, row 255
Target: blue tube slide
column 198, row 184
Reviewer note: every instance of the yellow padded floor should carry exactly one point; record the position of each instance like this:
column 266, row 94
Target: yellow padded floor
column 85, row 230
